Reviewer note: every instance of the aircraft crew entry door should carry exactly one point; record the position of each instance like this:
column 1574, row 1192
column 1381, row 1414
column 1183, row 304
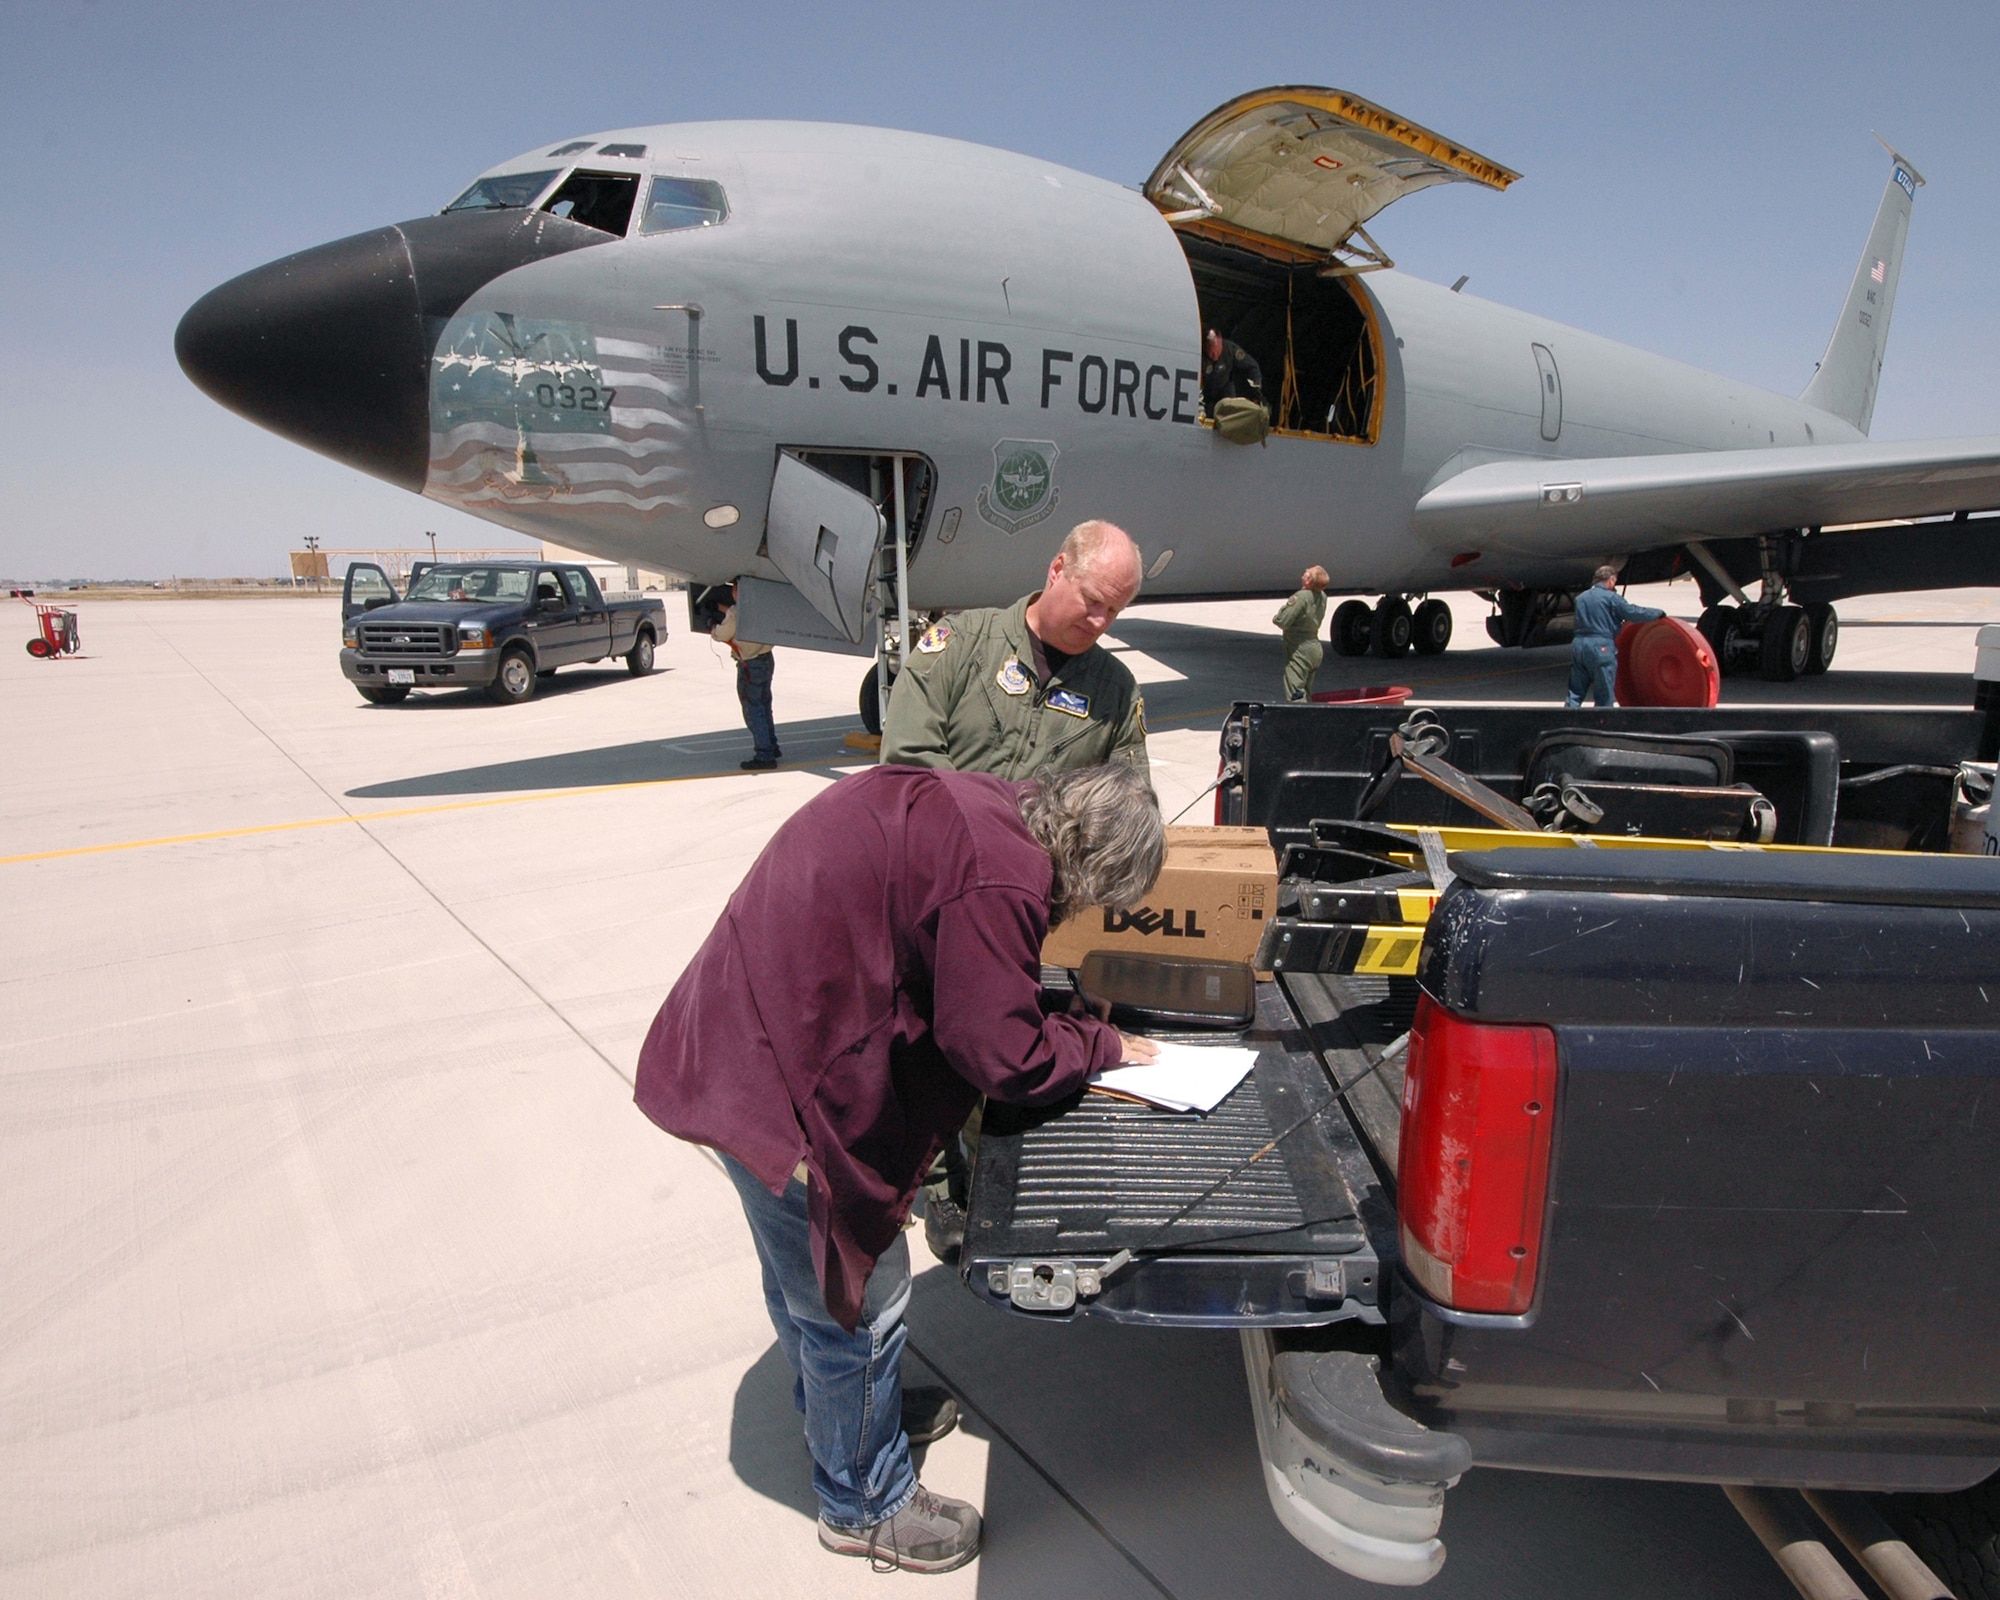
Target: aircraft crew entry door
column 824, row 536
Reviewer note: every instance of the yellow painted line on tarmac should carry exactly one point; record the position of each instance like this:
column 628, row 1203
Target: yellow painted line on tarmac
column 356, row 817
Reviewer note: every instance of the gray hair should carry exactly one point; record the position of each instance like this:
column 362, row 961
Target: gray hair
column 1101, row 827
column 1090, row 542
column 1605, row 574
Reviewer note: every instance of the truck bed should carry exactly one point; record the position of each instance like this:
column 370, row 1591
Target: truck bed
column 1267, row 1212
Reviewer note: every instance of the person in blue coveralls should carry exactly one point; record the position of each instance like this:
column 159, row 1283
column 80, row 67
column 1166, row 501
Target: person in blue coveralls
column 1600, row 612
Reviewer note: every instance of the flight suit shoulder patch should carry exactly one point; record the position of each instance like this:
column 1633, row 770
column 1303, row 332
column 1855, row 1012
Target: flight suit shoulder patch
column 935, row 637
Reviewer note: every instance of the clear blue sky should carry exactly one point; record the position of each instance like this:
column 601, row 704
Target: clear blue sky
column 1698, row 181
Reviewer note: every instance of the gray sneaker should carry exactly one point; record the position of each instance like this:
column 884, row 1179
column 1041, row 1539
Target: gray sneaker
column 930, row 1534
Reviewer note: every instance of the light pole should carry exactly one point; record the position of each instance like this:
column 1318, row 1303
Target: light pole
column 312, row 547
column 434, row 547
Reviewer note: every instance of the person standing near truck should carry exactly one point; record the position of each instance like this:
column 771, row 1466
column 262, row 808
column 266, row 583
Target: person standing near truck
column 1300, row 618
column 754, row 668
column 1027, row 689
column 1593, row 662
column 1015, row 693
column 888, row 945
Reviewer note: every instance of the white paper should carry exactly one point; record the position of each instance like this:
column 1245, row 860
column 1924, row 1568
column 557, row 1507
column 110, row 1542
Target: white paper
column 1185, row 1077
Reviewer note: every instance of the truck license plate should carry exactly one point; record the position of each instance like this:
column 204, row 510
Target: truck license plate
column 402, row 675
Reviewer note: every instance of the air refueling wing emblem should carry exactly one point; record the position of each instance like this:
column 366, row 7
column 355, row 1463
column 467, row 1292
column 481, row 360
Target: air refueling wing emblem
column 1023, row 490
column 934, row 638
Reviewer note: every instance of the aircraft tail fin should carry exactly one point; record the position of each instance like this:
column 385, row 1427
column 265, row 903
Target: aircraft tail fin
column 1845, row 381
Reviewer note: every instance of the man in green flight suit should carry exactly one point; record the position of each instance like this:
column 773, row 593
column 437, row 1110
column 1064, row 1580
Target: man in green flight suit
column 1014, row 693
column 1027, row 689
column 1300, row 618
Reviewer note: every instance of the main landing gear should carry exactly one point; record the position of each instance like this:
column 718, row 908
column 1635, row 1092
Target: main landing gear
column 1776, row 641
column 1390, row 628
column 1770, row 636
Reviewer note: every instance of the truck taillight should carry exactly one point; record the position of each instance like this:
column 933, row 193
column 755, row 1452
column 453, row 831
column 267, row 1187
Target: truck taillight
column 1473, row 1163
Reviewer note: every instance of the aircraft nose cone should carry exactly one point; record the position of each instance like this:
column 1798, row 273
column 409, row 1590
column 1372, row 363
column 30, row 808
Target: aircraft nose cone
column 327, row 348
column 331, row 347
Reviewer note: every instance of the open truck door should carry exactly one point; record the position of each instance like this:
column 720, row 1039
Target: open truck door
column 366, row 589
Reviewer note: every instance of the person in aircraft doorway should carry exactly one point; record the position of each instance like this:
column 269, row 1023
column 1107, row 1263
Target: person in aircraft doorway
column 1593, row 663
column 1300, row 618
column 754, row 667
column 1228, row 372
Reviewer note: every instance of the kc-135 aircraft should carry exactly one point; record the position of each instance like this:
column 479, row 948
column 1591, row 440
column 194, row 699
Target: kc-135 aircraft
column 873, row 374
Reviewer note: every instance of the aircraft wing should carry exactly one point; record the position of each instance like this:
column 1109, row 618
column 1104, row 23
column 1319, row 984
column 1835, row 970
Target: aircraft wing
column 1609, row 505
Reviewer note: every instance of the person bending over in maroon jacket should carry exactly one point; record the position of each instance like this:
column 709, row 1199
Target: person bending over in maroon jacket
column 876, row 972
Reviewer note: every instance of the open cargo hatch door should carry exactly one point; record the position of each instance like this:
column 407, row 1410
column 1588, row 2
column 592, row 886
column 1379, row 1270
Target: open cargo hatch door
column 1305, row 168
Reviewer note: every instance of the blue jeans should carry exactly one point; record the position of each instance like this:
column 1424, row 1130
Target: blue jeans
column 848, row 1385
column 1593, row 669
column 753, row 688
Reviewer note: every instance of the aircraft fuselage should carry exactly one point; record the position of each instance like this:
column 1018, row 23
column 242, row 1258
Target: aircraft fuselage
column 1034, row 333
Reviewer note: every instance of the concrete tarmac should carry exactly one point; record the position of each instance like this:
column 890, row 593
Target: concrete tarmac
column 338, row 1262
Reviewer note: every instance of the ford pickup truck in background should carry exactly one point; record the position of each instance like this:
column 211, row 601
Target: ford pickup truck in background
column 500, row 626
column 1579, row 1151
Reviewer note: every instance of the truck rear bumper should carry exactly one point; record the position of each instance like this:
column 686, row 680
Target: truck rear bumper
column 1353, row 1480
column 468, row 669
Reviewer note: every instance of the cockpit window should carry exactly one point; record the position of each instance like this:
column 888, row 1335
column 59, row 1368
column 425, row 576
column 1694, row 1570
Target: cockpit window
column 597, row 199
column 508, row 192
column 683, row 203
column 571, row 148
column 636, row 151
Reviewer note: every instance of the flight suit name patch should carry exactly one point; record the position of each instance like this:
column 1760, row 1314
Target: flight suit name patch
column 1011, row 678
column 1069, row 702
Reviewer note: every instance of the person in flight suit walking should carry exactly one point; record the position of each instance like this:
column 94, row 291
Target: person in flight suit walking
column 1300, row 618
column 1593, row 663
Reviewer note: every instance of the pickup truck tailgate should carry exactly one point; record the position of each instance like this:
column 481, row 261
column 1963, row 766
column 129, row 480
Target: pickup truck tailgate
column 1263, row 1213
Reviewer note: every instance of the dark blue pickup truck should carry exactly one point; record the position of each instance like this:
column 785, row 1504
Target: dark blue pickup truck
column 1577, row 1151
column 500, row 626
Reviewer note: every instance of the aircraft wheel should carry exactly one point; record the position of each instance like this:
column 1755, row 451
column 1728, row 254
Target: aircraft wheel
column 386, row 694
column 1353, row 628
column 1823, row 624
column 1430, row 628
column 1787, row 645
column 516, row 680
column 639, row 659
column 1721, row 625
column 1390, row 637
column 871, row 704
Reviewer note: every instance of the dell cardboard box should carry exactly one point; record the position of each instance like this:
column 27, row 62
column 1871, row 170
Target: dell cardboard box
column 1218, row 886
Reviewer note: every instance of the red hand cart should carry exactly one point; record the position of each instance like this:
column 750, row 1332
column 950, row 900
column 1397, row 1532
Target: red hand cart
column 58, row 635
